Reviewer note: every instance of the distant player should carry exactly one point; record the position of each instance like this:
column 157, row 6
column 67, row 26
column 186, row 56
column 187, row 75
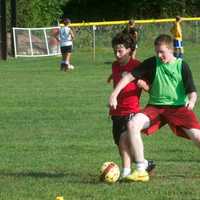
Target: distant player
column 172, row 97
column 178, row 39
column 66, row 37
column 128, row 99
column 133, row 31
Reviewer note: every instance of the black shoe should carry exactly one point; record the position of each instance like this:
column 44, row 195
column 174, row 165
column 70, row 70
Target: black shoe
column 151, row 166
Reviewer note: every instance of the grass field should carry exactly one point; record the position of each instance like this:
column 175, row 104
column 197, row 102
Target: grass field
column 55, row 134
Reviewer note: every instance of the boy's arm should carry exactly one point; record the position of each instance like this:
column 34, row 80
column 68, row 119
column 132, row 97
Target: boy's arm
column 189, row 85
column 143, row 84
column 192, row 98
column 122, row 83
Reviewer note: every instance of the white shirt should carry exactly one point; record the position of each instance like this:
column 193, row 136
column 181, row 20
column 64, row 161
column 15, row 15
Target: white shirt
column 65, row 36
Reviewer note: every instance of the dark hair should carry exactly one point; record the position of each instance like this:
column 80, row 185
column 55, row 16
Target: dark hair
column 66, row 21
column 164, row 39
column 131, row 22
column 125, row 39
column 178, row 18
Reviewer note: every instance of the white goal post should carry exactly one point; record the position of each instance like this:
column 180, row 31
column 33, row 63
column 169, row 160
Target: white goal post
column 35, row 42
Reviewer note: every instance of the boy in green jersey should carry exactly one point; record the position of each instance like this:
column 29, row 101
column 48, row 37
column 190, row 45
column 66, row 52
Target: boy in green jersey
column 172, row 96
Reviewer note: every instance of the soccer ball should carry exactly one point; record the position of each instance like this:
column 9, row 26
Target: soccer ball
column 109, row 172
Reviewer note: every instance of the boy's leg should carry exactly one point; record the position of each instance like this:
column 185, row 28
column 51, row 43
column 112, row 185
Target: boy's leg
column 64, row 62
column 135, row 126
column 194, row 135
column 124, row 150
column 68, row 57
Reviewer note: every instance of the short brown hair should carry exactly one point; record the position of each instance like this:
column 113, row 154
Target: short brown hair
column 66, row 21
column 164, row 39
column 125, row 39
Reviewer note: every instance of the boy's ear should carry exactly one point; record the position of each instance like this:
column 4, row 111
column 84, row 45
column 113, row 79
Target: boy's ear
column 129, row 49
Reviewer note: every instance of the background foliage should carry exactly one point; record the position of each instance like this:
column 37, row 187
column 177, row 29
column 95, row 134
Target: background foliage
column 36, row 13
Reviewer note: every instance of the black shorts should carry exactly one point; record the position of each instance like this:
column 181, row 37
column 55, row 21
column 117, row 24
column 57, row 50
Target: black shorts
column 120, row 126
column 66, row 49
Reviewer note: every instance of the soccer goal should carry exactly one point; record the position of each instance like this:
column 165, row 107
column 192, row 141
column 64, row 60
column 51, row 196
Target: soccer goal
column 35, row 42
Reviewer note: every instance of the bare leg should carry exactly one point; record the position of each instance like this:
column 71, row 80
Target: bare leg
column 194, row 135
column 124, row 150
column 139, row 122
column 68, row 57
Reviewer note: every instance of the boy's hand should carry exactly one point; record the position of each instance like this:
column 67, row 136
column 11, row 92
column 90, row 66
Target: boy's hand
column 190, row 105
column 143, row 84
column 113, row 101
column 192, row 97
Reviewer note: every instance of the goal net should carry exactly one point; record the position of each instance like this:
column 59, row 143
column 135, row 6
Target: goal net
column 35, row 42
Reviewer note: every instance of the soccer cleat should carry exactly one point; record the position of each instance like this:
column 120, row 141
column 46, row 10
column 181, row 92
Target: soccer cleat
column 137, row 176
column 123, row 176
column 151, row 166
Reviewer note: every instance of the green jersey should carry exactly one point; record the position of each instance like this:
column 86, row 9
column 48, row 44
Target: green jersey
column 167, row 87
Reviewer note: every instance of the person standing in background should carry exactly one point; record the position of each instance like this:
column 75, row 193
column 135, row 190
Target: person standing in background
column 133, row 31
column 178, row 38
column 66, row 37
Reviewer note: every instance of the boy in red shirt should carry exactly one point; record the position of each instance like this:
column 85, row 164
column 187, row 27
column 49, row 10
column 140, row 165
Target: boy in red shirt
column 128, row 99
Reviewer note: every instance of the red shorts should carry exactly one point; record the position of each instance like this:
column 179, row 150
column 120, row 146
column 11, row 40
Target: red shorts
column 176, row 117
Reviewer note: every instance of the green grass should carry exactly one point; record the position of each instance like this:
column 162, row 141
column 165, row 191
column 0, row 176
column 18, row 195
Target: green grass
column 55, row 134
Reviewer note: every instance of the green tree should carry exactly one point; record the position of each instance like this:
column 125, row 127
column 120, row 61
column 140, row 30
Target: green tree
column 37, row 13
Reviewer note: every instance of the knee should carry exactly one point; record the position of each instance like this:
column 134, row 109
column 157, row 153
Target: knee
column 194, row 134
column 133, row 127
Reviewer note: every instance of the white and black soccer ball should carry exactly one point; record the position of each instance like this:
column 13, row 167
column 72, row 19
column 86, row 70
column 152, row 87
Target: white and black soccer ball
column 109, row 172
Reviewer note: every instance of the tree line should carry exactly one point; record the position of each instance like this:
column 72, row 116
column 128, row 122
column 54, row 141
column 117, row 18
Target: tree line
column 39, row 13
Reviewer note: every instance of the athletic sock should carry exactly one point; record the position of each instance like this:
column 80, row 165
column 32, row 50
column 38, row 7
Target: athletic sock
column 66, row 62
column 141, row 166
column 126, row 171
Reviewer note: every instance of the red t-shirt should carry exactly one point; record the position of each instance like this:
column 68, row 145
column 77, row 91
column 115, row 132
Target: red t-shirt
column 128, row 98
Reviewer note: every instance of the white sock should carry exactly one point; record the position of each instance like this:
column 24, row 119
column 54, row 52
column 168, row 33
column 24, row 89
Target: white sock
column 146, row 163
column 141, row 166
column 126, row 171
column 66, row 62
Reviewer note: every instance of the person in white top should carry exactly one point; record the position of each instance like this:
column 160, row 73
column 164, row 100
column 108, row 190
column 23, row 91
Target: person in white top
column 66, row 37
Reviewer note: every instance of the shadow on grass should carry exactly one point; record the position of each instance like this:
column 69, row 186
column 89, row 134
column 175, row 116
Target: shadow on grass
column 70, row 177
column 174, row 176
